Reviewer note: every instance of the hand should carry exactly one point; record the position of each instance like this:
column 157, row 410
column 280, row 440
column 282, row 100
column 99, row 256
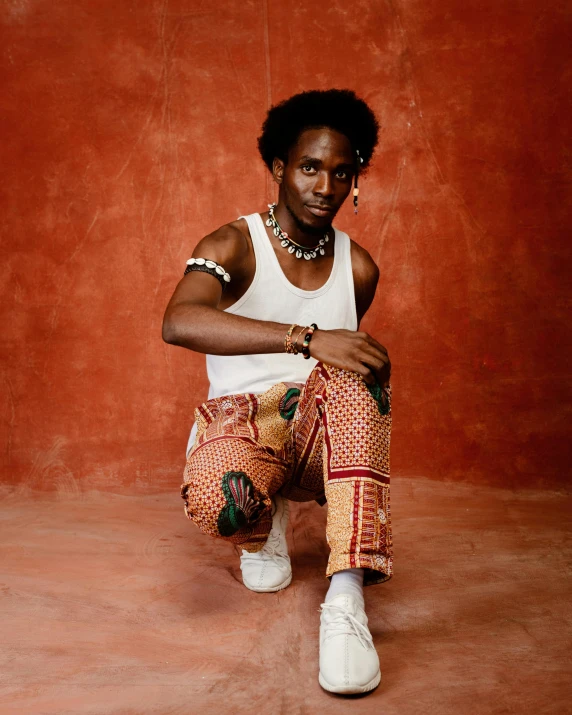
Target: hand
column 354, row 351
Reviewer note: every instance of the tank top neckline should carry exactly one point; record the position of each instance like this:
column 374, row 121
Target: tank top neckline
column 266, row 245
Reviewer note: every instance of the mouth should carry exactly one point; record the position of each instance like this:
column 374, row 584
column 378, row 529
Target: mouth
column 320, row 211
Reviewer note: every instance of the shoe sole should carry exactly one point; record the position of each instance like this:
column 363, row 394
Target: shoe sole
column 271, row 589
column 350, row 689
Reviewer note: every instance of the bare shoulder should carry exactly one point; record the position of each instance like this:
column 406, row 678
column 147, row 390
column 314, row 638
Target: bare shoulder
column 366, row 277
column 364, row 268
column 229, row 245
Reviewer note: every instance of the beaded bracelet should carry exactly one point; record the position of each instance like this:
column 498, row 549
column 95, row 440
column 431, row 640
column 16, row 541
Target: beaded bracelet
column 289, row 346
column 295, row 341
column 307, row 339
column 207, row 266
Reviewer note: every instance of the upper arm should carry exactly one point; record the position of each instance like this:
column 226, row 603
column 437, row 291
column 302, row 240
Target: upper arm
column 228, row 246
column 366, row 276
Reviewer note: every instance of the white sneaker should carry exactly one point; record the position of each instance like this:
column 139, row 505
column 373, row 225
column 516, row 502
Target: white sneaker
column 269, row 569
column 348, row 660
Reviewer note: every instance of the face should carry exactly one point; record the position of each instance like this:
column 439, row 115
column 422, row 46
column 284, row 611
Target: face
column 316, row 179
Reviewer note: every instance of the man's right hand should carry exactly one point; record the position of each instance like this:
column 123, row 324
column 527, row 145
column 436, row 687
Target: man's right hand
column 354, row 351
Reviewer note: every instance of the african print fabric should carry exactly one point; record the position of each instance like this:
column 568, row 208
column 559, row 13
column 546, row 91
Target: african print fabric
column 327, row 439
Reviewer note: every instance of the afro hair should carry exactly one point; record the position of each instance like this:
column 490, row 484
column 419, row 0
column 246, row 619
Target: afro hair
column 339, row 109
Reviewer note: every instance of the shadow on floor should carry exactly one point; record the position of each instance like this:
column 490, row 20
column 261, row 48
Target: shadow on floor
column 117, row 604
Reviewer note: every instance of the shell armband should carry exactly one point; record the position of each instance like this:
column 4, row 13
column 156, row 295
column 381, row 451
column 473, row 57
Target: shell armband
column 207, row 266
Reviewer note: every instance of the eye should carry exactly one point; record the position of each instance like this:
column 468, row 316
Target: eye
column 307, row 168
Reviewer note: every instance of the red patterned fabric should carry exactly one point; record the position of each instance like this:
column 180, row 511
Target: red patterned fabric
column 333, row 446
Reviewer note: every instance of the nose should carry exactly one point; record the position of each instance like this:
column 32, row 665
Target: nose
column 324, row 185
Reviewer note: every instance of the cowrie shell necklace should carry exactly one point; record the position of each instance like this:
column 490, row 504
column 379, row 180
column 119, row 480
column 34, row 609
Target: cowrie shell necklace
column 307, row 252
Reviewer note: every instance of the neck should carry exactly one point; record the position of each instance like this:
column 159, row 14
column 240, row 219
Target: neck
column 298, row 231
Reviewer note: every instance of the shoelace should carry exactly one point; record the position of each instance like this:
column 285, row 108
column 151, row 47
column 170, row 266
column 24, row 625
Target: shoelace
column 344, row 622
column 271, row 548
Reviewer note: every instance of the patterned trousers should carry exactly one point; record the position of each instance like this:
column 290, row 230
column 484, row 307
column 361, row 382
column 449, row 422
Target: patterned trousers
column 327, row 439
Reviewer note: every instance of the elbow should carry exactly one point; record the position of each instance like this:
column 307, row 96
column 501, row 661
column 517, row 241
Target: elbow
column 170, row 332
column 179, row 326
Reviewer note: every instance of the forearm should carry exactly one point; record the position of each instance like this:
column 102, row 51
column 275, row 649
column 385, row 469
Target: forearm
column 208, row 330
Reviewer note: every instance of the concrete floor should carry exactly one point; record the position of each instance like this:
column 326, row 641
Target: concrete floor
column 117, row 604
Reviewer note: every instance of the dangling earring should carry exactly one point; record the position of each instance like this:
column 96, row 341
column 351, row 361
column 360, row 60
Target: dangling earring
column 359, row 161
column 356, row 193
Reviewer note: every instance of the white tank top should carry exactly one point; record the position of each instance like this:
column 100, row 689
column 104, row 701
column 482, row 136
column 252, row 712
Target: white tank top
column 272, row 297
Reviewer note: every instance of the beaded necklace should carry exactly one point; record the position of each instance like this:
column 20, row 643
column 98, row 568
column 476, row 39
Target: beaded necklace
column 308, row 252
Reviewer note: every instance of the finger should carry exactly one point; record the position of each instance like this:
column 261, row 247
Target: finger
column 372, row 351
column 387, row 379
column 372, row 361
column 365, row 372
column 374, row 343
column 386, row 373
column 381, row 370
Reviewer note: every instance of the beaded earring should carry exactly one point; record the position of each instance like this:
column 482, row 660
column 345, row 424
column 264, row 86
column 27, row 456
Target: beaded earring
column 359, row 162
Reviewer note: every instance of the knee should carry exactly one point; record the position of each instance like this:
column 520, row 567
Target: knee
column 203, row 505
column 229, row 510
column 351, row 388
column 187, row 494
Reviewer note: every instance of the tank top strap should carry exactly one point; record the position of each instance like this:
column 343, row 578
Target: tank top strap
column 346, row 261
column 262, row 248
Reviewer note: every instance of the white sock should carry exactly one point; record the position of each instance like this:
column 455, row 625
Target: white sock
column 349, row 581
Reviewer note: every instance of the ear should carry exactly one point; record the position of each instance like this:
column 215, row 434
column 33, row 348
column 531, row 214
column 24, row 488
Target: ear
column 278, row 170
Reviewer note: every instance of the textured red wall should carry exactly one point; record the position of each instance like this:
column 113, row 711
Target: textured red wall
column 129, row 131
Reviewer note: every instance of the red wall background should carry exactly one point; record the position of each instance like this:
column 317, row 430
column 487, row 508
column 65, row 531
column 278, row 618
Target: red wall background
column 129, row 131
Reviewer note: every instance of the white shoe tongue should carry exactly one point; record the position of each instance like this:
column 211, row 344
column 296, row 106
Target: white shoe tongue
column 346, row 601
